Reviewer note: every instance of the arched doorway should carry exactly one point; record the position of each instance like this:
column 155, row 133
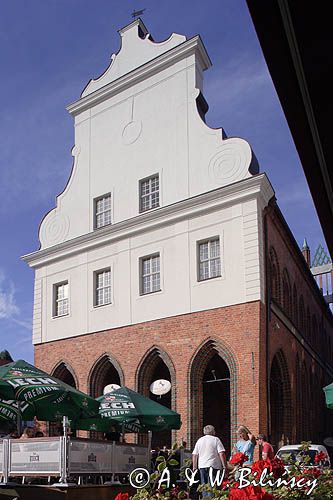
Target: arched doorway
column 280, row 401
column 105, row 371
column 157, row 365
column 65, row 373
column 216, row 398
column 213, row 393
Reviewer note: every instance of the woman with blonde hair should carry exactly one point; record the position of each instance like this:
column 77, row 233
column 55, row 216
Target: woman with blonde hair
column 245, row 444
column 28, row 432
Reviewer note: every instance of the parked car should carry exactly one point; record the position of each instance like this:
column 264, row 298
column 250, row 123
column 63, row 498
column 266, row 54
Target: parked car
column 294, row 453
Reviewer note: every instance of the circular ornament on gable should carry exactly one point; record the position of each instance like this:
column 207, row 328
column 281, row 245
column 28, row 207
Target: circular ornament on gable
column 55, row 229
column 132, row 132
column 231, row 162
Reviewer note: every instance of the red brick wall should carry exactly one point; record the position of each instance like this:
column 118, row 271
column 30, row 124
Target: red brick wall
column 296, row 338
column 235, row 328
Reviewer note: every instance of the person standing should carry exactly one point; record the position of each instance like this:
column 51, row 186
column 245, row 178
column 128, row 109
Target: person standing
column 208, row 453
column 267, row 452
column 245, row 444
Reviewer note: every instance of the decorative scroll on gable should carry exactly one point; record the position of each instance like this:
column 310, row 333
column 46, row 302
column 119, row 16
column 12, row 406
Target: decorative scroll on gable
column 145, row 116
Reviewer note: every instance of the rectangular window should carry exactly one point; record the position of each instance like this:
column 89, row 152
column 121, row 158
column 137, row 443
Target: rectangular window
column 149, row 193
column 103, row 287
column 150, row 274
column 209, row 259
column 61, row 302
column 102, row 207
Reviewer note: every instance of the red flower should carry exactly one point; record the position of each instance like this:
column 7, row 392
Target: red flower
column 238, row 458
column 259, row 466
column 174, row 492
column 225, row 484
column 320, row 457
column 313, row 471
column 250, row 493
column 122, row 496
column 276, row 466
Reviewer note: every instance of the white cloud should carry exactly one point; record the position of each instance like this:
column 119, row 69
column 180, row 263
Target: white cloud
column 8, row 306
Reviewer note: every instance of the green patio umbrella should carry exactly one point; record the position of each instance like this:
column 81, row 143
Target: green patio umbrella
column 328, row 390
column 129, row 410
column 47, row 397
column 12, row 411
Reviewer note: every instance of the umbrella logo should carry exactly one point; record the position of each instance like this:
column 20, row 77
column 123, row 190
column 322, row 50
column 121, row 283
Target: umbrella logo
column 109, row 398
column 16, row 373
column 92, row 458
column 160, row 420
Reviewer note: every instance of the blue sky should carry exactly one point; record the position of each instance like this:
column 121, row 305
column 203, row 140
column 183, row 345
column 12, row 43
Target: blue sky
column 50, row 49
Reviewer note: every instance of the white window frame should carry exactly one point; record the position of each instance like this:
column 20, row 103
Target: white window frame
column 210, row 259
column 150, row 193
column 96, row 288
column 150, row 274
column 103, row 212
column 56, row 300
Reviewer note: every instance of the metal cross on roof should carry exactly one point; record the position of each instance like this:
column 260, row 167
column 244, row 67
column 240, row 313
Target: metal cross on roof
column 137, row 13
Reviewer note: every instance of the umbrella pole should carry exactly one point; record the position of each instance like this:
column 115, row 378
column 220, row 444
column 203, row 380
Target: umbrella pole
column 149, row 449
column 64, row 478
column 19, row 418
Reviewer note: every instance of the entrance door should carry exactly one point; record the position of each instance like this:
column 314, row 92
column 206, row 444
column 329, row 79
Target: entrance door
column 216, row 399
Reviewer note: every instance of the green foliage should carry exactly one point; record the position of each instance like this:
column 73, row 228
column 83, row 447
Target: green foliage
column 322, row 491
column 152, row 490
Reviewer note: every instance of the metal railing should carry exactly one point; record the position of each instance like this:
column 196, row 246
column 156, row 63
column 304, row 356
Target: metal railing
column 66, row 457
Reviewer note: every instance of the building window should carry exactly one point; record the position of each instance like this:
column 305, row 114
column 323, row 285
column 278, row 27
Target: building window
column 209, row 259
column 149, row 193
column 103, row 287
column 150, row 274
column 102, row 207
column 61, row 302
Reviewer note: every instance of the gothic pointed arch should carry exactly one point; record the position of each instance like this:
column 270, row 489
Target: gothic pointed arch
column 280, row 400
column 212, row 383
column 286, row 293
column 308, row 325
column 157, row 364
column 302, row 319
column 64, row 372
column 106, row 370
column 147, row 366
column 306, row 403
column 274, row 276
column 295, row 306
column 315, row 337
column 299, row 404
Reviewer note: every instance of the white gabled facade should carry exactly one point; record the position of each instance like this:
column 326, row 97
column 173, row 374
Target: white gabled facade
column 141, row 119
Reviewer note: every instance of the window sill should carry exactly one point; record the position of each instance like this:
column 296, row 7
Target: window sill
column 208, row 280
column 98, row 306
column 102, row 227
column 149, row 209
column 142, row 295
column 61, row 316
